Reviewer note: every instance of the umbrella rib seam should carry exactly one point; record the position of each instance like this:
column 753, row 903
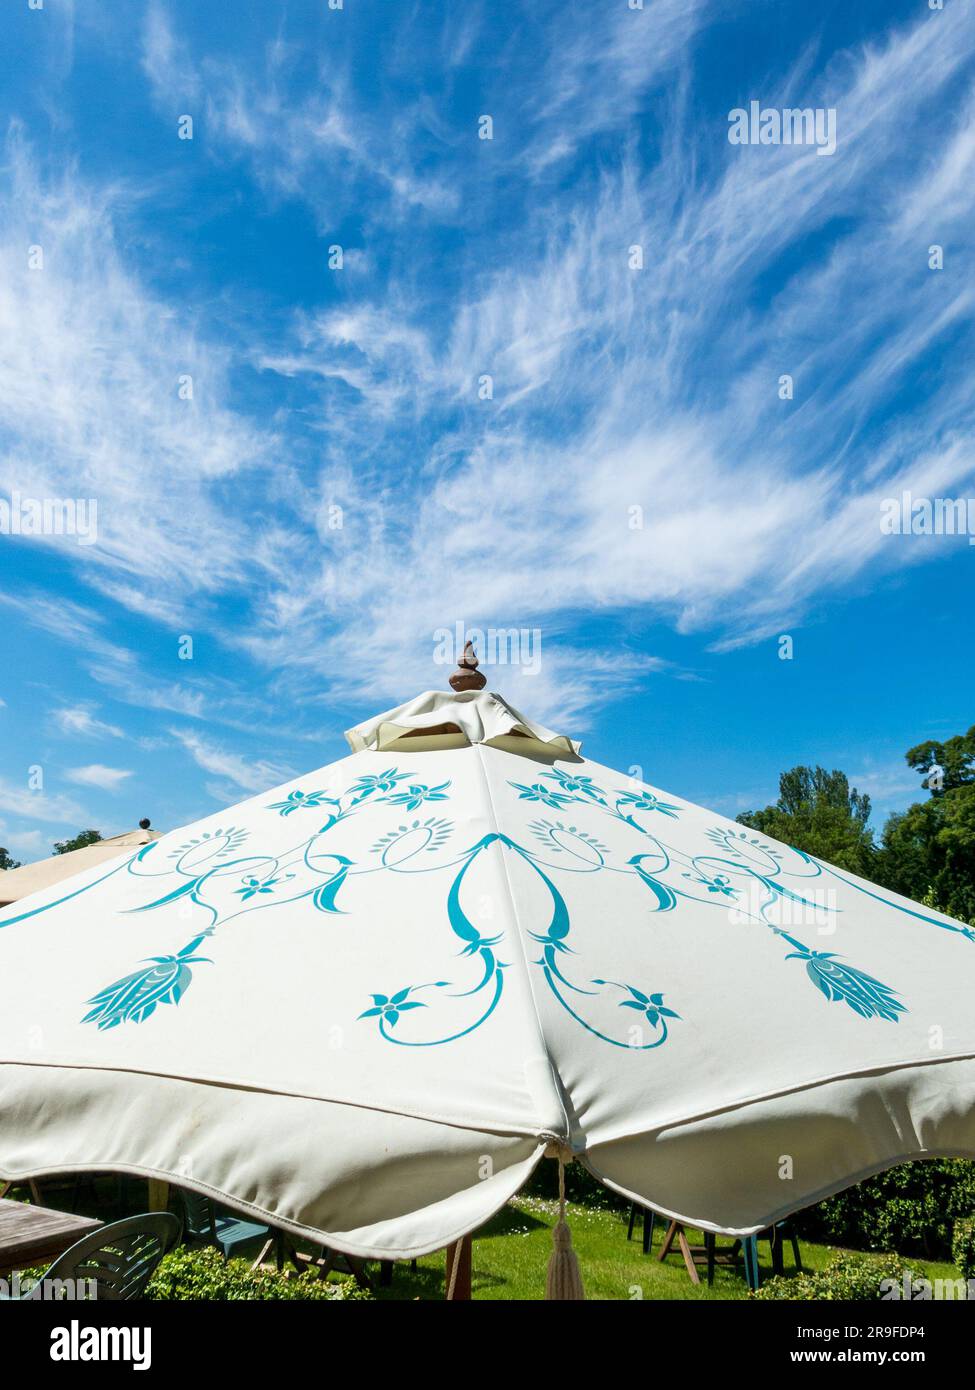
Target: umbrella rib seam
column 519, row 932
column 496, row 1129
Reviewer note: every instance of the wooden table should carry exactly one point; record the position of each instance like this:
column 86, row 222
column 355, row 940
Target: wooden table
column 32, row 1235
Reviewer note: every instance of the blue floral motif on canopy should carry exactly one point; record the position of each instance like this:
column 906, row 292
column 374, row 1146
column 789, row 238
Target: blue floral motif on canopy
column 736, row 871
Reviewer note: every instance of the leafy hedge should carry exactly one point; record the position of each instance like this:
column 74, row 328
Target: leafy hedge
column 203, row 1274
column 856, row 1277
column 911, row 1208
column 963, row 1248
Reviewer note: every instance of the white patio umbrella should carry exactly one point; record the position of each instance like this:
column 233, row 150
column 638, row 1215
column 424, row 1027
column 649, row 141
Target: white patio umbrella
column 364, row 1005
column 33, row 878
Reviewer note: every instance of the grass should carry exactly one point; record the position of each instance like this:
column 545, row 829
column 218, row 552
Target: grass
column 511, row 1255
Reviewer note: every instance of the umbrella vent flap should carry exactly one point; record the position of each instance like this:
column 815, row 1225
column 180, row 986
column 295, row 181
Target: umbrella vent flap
column 440, row 719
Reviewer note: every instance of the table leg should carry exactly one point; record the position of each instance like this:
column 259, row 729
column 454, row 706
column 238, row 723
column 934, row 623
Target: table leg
column 668, row 1241
column 685, row 1250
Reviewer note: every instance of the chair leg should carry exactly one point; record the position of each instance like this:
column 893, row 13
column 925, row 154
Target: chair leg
column 709, row 1245
column 629, row 1229
column 265, row 1248
column 777, row 1251
column 649, row 1219
column 795, row 1252
column 750, row 1250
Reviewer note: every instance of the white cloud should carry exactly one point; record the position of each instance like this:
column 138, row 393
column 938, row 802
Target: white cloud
column 251, row 775
column 89, row 366
column 109, row 779
column 614, row 389
column 81, row 722
column 41, row 806
column 657, row 389
column 290, row 144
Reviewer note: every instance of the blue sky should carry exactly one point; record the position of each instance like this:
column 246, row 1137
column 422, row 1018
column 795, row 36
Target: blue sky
column 357, row 388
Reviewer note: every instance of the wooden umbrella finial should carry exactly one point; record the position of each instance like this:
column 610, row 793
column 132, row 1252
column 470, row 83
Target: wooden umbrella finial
column 467, row 676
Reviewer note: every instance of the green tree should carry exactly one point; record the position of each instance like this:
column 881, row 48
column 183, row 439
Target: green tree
column 820, row 813
column 85, row 837
column 6, row 862
column 928, row 851
column 955, row 758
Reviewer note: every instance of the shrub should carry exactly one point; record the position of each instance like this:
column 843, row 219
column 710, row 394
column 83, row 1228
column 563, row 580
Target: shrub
column 910, row 1208
column 203, row 1274
column 963, row 1247
column 856, row 1277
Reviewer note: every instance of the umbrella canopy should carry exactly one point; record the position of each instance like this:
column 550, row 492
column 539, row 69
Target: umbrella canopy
column 365, row 1003
column 34, row 878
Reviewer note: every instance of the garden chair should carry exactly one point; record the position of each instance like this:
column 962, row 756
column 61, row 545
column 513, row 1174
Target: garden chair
column 203, row 1224
column 776, row 1236
column 118, row 1260
column 649, row 1218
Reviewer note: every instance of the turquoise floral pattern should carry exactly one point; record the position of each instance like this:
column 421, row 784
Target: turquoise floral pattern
column 651, row 1006
column 225, row 884
column 549, row 797
column 253, row 886
column 865, row 995
column 376, row 782
column 415, row 794
column 134, row 998
column 301, row 801
column 574, row 785
column 387, row 1008
column 646, row 801
column 746, row 872
column 219, row 878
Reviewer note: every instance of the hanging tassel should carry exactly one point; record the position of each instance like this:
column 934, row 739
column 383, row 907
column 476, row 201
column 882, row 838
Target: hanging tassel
column 564, row 1279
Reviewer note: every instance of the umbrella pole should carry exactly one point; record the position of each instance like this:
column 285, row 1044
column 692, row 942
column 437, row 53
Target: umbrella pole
column 458, row 1273
column 158, row 1195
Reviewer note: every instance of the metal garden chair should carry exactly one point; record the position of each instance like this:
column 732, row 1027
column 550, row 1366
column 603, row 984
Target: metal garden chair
column 118, row 1260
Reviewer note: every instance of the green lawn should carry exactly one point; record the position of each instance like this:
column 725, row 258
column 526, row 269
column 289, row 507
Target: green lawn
column 511, row 1254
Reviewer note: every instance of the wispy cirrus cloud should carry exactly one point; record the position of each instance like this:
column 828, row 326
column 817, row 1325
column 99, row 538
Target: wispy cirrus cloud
column 253, row 775
column 80, row 721
column 631, row 409
column 657, row 390
column 107, row 779
column 289, row 145
column 90, row 405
